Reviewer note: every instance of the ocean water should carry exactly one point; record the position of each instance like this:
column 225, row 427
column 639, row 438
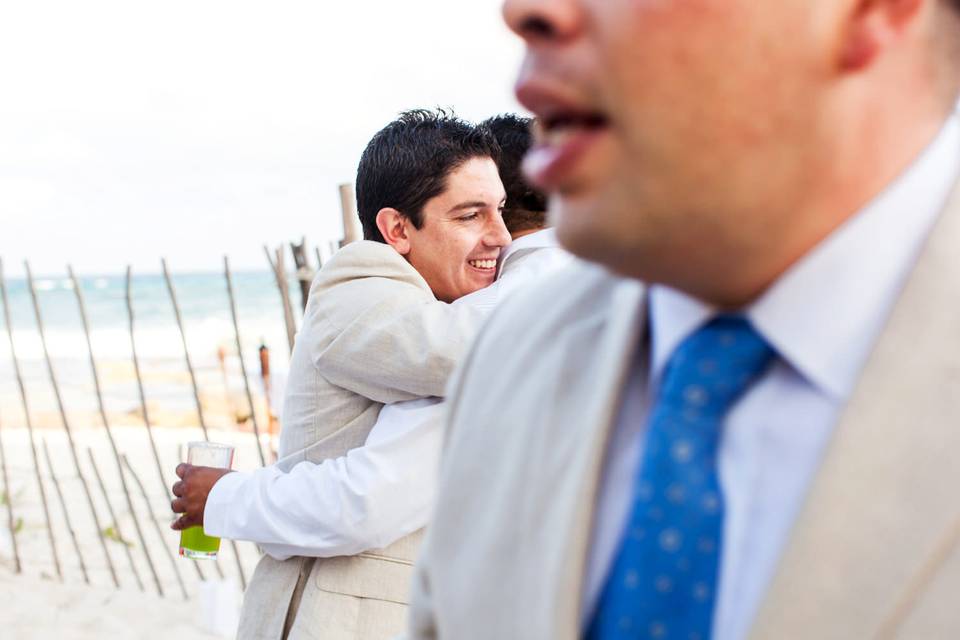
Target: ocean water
column 205, row 309
column 203, row 301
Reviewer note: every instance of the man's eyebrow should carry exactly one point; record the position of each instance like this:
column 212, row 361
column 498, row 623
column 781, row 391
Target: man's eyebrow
column 474, row 204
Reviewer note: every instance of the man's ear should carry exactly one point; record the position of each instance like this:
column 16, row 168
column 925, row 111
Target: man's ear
column 393, row 227
column 873, row 26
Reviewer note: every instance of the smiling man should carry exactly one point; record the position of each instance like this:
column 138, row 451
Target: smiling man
column 378, row 329
column 741, row 420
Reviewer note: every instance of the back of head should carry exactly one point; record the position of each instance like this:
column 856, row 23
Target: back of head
column 407, row 163
column 526, row 207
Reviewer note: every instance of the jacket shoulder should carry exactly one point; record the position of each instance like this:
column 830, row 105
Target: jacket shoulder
column 366, row 259
column 544, row 333
column 580, row 293
column 361, row 276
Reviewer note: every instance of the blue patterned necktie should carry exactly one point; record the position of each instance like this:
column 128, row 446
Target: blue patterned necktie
column 664, row 578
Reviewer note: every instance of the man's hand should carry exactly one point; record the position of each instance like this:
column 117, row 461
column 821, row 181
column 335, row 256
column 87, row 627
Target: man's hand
column 192, row 491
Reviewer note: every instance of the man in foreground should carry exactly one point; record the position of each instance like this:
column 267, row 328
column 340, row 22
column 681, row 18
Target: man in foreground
column 741, row 421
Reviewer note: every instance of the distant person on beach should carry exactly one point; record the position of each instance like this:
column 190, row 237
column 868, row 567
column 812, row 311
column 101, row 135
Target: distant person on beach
column 381, row 492
column 738, row 418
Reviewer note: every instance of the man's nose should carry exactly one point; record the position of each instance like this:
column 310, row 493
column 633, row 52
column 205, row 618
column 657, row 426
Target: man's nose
column 496, row 233
column 539, row 21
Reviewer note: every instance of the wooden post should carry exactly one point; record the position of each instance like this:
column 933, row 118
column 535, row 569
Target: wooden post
column 29, row 421
column 116, row 521
column 156, row 525
column 352, row 229
column 66, row 427
column 66, row 512
column 186, row 351
column 280, row 275
column 106, row 422
column 143, row 399
column 243, row 367
column 165, row 488
column 11, row 520
column 304, row 271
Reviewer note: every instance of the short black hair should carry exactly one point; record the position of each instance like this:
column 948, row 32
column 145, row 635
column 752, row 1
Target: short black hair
column 526, row 207
column 408, row 161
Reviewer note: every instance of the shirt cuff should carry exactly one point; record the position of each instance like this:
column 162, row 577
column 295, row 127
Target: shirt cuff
column 216, row 512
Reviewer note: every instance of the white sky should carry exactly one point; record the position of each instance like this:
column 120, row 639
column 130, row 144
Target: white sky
column 132, row 130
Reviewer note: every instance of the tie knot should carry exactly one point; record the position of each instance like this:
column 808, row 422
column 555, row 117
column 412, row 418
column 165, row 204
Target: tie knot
column 713, row 366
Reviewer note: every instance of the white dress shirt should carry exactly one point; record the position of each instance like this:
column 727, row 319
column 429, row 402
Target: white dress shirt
column 377, row 493
column 822, row 317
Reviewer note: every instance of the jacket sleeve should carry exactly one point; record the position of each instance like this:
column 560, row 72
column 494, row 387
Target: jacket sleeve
column 397, row 343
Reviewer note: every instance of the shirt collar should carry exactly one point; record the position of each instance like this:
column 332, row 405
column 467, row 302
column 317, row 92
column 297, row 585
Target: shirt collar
column 824, row 314
column 542, row 239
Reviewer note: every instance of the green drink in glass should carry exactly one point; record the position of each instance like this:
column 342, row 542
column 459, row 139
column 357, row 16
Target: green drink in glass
column 194, row 543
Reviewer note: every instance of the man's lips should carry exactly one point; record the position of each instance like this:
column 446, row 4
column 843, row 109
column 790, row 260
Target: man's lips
column 566, row 129
column 550, row 163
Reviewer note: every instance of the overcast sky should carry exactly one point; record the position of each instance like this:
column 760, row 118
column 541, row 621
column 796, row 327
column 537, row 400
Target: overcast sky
column 133, row 130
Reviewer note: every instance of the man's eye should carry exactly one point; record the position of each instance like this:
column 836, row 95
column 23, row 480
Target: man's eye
column 469, row 216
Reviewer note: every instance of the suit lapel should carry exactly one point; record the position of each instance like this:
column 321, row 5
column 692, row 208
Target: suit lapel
column 886, row 491
column 616, row 351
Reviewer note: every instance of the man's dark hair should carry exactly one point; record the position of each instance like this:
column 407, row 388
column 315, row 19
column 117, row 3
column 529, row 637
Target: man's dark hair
column 526, row 207
column 408, row 161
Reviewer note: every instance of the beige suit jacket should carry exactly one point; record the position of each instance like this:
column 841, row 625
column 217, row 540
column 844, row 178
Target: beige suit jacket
column 875, row 552
column 373, row 333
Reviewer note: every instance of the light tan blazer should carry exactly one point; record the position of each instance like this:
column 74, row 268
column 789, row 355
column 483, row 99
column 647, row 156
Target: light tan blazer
column 874, row 554
column 373, row 333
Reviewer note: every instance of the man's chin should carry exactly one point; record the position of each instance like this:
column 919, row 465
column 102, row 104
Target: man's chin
column 580, row 230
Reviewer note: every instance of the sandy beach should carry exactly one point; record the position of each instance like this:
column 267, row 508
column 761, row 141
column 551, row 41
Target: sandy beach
column 38, row 604
column 150, row 591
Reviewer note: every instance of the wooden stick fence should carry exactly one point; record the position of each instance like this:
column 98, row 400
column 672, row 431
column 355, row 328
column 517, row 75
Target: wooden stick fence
column 66, row 512
column 193, row 382
column 123, row 464
column 131, row 322
column 8, row 493
column 78, row 290
column 304, row 271
column 279, row 274
column 29, row 422
column 116, row 522
column 156, row 526
column 66, row 427
column 243, row 367
column 186, row 350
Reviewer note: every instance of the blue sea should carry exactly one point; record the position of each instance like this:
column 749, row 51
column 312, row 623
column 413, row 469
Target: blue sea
column 205, row 309
column 202, row 297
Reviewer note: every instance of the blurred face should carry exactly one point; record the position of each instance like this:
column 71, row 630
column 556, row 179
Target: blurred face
column 457, row 246
column 669, row 129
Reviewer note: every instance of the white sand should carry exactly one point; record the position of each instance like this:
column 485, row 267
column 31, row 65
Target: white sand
column 37, row 605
